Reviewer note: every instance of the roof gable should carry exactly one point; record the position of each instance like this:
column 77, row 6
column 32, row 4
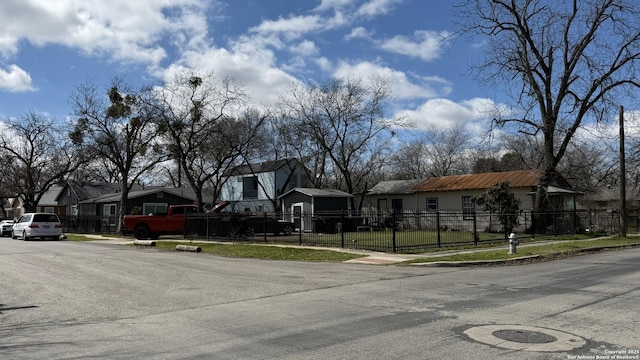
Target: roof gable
column 267, row 166
column 395, row 187
column 116, row 197
column 516, row 179
column 313, row 192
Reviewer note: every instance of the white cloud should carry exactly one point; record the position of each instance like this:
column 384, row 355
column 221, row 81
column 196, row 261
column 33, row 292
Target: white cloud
column 359, row 33
column 15, row 79
column 305, row 48
column 248, row 63
column 377, row 7
column 403, row 86
column 291, row 28
column 444, row 113
column 425, row 45
column 333, row 4
column 324, row 64
column 122, row 29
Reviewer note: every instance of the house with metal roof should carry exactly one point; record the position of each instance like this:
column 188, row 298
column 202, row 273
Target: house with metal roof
column 455, row 193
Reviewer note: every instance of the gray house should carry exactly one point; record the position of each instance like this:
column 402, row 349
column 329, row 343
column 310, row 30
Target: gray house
column 76, row 192
column 309, row 203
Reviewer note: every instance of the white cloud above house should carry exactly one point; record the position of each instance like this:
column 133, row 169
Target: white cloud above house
column 15, row 79
column 444, row 113
column 265, row 52
column 425, row 45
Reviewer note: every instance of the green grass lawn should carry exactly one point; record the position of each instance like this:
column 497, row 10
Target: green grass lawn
column 408, row 241
column 573, row 244
column 264, row 252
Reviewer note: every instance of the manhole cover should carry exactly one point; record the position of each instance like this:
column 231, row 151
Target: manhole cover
column 524, row 336
column 527, row 338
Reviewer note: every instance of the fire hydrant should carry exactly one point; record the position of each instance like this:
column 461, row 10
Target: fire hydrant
column 513, row 242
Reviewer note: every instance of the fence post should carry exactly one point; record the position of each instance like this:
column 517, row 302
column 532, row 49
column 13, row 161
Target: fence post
column 475, row 228
column 438, row 228
column 533, row 225
column 393, row 231
column 300, row 229
column 264, row 227
column 342, row 228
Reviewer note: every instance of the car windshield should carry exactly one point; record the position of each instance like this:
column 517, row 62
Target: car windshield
column 45, row 218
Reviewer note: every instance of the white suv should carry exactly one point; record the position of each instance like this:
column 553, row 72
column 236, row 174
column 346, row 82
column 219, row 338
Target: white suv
column 6, row 226
column 37, row 225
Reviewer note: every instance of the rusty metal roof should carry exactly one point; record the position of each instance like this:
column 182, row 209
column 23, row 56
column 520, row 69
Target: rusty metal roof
column 516, row 179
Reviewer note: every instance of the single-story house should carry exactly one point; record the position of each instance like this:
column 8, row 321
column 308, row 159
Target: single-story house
column 48, row 203
column 456, row 192
column 453, row 196
column 152, row 200
column 12, row 208
column 75, row 192
column 392, row 194
column 608, row 198
column 307, row 203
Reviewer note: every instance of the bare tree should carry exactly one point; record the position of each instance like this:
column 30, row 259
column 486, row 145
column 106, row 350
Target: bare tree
column 199, row 122
column 564, row 61
column 446, row 150
column 437, row 152
column 38, row 154
column 410, row 161
column 120, row 128
column 342, row 127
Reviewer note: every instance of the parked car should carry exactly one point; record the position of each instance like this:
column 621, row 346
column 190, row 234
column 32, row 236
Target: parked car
column 6, row 226
column 37, row 225
column 260, row 225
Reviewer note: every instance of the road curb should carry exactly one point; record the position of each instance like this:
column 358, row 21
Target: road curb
column 524, row 258
column 144, row 242
column 477, row 262
column 189, row 248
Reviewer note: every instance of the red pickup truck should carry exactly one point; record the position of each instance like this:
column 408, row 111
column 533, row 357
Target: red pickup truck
column 152, row 226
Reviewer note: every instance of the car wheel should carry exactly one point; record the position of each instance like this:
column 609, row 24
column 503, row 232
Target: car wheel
column 287, row 230
column 13, row 236
column 141, row 232
column 24, row 236
column 250, row 231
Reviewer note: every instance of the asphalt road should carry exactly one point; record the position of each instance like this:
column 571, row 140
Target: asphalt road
column 66, row 300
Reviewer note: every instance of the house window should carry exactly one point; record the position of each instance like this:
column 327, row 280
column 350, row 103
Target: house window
column 154, row 208
column 382, row 204
column 108, row 216
column 432, row 204
column 396, row 204
column 109, row 210
column 468, row 208
column 250, row 187
column 48, row 209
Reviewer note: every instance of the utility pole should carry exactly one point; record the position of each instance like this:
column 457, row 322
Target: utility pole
column 623, row 182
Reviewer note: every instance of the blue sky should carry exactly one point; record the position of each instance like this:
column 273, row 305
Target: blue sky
column 48, row 47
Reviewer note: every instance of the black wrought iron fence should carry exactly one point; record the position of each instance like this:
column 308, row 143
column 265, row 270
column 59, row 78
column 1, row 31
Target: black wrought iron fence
column 393, row 231
column 89, row 224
